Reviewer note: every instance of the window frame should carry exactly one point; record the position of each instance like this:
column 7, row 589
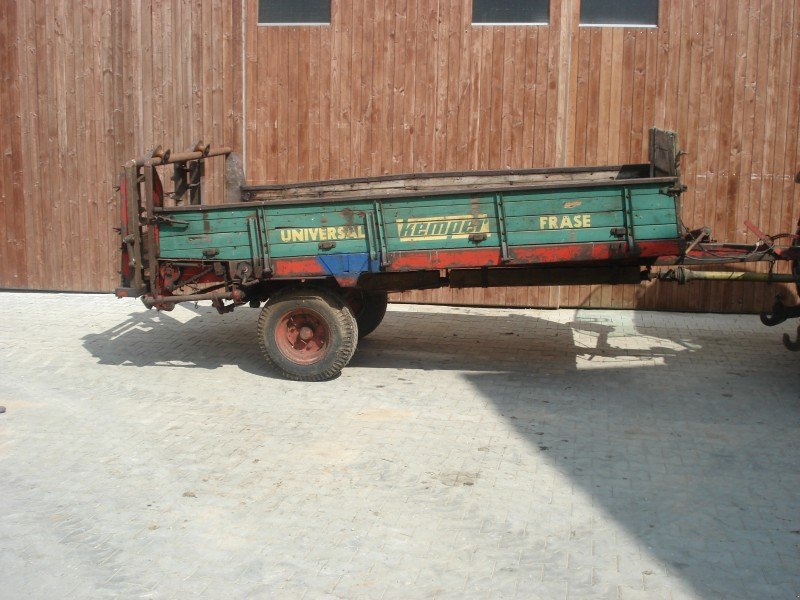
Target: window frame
column 508, row 24
column 327, row 23
column 622, row 25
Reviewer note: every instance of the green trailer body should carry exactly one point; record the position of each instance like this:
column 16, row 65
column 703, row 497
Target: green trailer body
column 518, row 219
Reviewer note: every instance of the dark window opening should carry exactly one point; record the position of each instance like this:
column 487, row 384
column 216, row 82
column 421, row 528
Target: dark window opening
column 624, row 13
column 294, row 12
column 511, row 12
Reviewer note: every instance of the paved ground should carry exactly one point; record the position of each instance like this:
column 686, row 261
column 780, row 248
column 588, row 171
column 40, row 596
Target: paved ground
column 466, row 453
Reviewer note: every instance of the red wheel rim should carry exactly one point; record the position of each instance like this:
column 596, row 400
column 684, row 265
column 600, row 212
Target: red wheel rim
column 302, row 336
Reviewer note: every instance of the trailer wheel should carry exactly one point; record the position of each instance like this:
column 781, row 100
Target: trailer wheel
column 307, row 334
column 369, row 309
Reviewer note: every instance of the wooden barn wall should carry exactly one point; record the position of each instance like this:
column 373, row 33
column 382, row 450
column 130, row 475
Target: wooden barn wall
column 86, row 86
column 409, row 85
column 390, row 87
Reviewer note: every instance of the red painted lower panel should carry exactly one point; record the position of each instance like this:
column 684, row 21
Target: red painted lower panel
column 529, row 255
column 298, row 266
column 307, row 266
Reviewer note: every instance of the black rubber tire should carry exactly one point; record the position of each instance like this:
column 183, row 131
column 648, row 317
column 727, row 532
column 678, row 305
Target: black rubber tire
column 372, row 310
column 342, row 327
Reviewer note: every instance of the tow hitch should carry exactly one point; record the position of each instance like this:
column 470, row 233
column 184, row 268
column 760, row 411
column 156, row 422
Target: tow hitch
column 779, row 313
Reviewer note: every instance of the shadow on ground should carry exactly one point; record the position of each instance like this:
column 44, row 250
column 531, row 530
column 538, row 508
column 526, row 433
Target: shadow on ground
column 199, row 338
column 706, row 483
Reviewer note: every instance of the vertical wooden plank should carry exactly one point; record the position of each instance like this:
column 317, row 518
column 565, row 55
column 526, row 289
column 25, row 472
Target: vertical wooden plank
column 95, row 58
column 8, row 145
column 760, row 102
column 12, row 225
column 69, row 273
column 281, row 100
column 76, row 84
column 265, row 85
column 364, row 26
column 388, row 88
column 426, row 107
column 456, row 87
column 784, row 64
column 89, row 141
column 300, row 89
column 529, row 123
column 154, row 95
column 26, row 91
column 375, row 138
column 226, row 116
column 312, row 163
column 638, row 130
column 594, row 106
column 517, row 117
column 215, row 169
column 627, row 96
column 568, row 35
column 397, row 117
column 606, row 59
column 185, row 61
column 506, row 92
column 615, row 99
column 694, row 140
column 406, row 158
column 255, row 160
column 542, row 95
column 727, row 94
column 327, row 92
column 494, row 138
column 482, row 116
column 45, row 141
column 343, row 145
column 238, row 70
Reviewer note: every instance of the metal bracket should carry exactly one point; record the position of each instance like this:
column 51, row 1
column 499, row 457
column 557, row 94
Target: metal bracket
column 501, row 226
column 381, row 233
column 159, row 219
column 259, row 245
column 630, row 234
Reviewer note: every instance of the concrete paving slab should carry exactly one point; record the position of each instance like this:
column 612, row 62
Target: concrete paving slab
column 469, row 453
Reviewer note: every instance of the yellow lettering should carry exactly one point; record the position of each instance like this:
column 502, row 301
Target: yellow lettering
column 578, row 220
column 332, row 233
column 286, row 235
column 566, row 222
column 437, row 228
column 552, row 222
column 297, row 235
column 542, row 222
column 441, row 227
column 587, row 220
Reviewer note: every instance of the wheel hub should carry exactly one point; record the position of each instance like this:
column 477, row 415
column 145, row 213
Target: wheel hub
column 302, row 336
